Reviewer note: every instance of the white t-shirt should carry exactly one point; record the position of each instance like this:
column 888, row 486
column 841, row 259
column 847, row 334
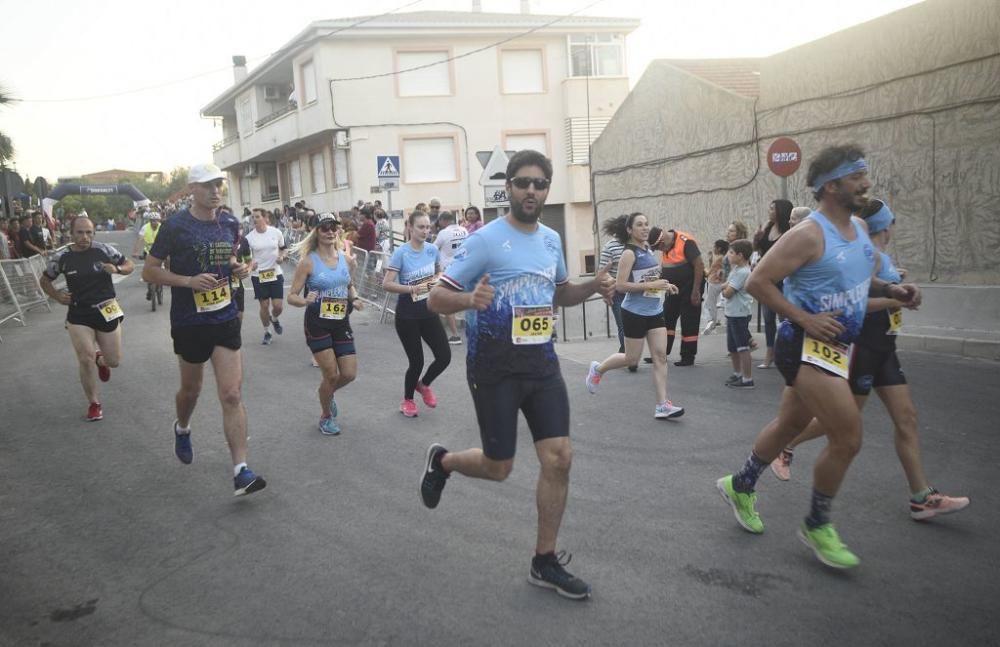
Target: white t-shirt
column 265, row 247
column 448, row 241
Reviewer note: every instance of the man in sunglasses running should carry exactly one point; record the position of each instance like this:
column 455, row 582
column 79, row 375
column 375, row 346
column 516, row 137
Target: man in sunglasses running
column 510, row 276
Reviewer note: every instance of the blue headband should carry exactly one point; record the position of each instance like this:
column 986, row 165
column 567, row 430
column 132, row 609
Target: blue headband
column 845, row 169
column 880, row 220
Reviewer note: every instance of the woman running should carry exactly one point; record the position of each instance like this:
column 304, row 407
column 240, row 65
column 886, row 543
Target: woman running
column 874, row 364
column 325, row 273
column 642, row 310
column 411, row 273
column 95, row 316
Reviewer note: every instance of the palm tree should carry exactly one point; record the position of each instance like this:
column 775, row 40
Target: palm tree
column 6, row 145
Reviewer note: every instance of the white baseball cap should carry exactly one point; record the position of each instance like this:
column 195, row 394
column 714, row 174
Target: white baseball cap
column 200, row 173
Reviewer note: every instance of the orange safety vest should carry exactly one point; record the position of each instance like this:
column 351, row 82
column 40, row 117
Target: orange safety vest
column 675, row 255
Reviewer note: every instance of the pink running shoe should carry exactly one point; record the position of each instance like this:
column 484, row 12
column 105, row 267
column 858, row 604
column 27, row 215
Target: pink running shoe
column 782, row 465
column 935, row 504
column 408, row 408
column 425, row 392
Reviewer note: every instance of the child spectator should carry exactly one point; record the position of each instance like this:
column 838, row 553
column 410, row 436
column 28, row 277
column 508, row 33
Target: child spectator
column 714, row 280
column 738, row 310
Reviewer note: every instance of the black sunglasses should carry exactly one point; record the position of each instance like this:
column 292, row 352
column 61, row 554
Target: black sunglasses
column 327, row 228
column 540, row 183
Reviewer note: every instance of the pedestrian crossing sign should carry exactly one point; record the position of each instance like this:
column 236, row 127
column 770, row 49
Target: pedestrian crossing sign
column 388, row 165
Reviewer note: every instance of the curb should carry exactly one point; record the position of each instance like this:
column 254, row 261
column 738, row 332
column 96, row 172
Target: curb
column 963, row 347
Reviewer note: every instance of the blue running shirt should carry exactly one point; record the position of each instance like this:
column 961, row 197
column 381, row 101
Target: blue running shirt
column 329, row 282
column 645, row 268
column 413, row 267
column 839, row 280
column 524, row 270
column 197, row 247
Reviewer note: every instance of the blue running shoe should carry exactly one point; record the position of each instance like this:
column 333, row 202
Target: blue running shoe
column 278, row 328
column 267, row 339
column 328, row 427
column 247, row 482
column 182, row 446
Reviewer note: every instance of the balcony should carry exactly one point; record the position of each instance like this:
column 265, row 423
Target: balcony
column 227, row 152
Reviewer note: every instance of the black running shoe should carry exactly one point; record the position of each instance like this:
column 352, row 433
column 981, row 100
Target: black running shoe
column 547, row 572
column 433, row 480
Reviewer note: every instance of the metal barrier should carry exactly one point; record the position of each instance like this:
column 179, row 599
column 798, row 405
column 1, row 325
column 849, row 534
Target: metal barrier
column 368, row 274
column 21, row 290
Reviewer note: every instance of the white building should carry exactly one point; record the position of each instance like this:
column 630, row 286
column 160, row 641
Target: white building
column 434, row 88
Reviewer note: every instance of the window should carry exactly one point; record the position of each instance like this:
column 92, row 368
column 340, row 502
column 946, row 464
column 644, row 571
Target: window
column 295, row 178
column 522, row 71
column 318, row 166
column 597, row 55
column 536, row 141
column 269, row 189
column 307, row 72
column 244, row 190
column 340, row 162
column 245, row 116
column 430, row 159
column 433, row 79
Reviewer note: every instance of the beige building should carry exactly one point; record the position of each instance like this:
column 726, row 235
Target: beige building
column 433, row 88
column 919, row 89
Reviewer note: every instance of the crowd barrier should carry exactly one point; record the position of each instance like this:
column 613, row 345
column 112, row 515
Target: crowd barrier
column 20, row 290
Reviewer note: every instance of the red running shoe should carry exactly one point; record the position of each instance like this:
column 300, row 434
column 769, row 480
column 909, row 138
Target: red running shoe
column 94, row 412
column 103, row 372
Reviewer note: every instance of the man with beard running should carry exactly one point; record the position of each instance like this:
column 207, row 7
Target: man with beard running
column 827, row 262
column 510, row 275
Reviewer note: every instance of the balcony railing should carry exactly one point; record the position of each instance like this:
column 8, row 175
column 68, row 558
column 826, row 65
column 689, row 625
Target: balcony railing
column 218, row 146
column 580, row 134
column 274, row 115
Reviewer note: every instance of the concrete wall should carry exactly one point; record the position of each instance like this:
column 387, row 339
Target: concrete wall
column 919, row 89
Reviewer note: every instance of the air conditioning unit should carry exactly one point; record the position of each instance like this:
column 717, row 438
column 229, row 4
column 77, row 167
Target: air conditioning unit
column 342, row 140
column 273, row 93
column 250, row 170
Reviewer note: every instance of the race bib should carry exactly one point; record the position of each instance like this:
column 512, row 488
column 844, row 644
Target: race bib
column 421, row 294
column 895, row 322
column 267, row 276
column 332, row 308
column 834, row 357
column 110, row 310
column 214, row 299
column 531, row 325
column 648, row 276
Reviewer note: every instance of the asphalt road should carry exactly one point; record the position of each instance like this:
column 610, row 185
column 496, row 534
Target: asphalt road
column 107, row 539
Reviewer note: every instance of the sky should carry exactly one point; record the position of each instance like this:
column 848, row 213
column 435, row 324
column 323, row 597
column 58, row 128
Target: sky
column 120, row 83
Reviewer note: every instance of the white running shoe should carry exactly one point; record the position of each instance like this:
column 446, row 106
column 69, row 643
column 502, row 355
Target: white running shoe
column 593, row 377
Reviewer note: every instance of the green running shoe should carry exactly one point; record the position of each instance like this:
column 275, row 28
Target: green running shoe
column 743, row 505
column 825, row 542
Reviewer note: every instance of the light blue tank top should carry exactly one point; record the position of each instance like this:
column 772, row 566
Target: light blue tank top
column 330, row 282
column 837, row 281
column 647, row 265
column 887, row 271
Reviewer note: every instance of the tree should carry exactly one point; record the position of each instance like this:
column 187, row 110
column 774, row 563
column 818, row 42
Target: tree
column 6, row 145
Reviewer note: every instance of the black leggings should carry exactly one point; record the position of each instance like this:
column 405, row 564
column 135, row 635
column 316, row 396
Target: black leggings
column 410, row 332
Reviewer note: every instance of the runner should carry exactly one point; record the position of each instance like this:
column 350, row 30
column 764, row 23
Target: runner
column 510, row 275
column 642, row 311
column 143, row 243
column 448, row 241
column 411, row 273
column 94, row 317
column 325, row 273
column 202, row 244
column 875, row 364
column 827, row 262
column 268, row 248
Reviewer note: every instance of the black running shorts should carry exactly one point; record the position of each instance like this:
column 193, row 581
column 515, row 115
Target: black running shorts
column 323, row 334
column 543, row 401
column 873, row 368
column 195, row 344
column 636, row 326
column 271, row 290
column 92, row 318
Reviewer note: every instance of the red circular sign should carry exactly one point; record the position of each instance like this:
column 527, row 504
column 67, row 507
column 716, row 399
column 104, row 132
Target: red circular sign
column 784, row 157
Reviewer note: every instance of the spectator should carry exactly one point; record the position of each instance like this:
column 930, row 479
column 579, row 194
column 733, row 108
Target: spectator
column 366, row 233
column 610, row 253
column 383, row 229
column 798, row 215
column 14, row 237
column 738, row 312
column 778, row 216
column 714, row 282
column 5, row 251
column 474, row 219
column 32, row 239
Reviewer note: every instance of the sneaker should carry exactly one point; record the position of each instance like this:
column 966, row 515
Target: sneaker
column 247, row 482
column 732, row 379
column 685, row 362
column 935, row 504
column 743, row 505
column 427, row 395
column 633, row 369
column 826, row 544
column 647, row 360
column 454, row 340
column 267, row 339
column 741, row 384
column 94, row 412
column 278, row 328
column 328, row 427
column 710, row 327
column 782, row 465
column 103, row 372
column 547, row 572
column 668, row 410
column 182, row 446
column 408, row 408
column 593, row 377
column 433, row 480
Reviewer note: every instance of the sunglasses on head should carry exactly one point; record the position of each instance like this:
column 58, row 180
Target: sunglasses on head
column 540, row 183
